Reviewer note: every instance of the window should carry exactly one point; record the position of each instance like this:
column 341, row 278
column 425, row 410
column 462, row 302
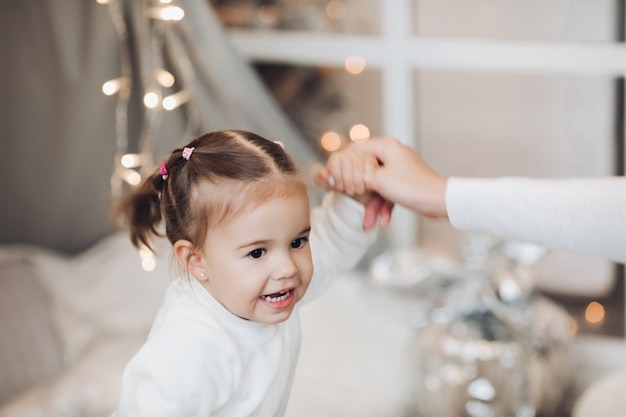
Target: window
column 526, row 87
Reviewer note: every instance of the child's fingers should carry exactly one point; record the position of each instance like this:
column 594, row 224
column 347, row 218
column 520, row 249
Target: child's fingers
column 351, row 171
column 376, row 207
column 372, row 209
column 385, row 212
column 321, row 178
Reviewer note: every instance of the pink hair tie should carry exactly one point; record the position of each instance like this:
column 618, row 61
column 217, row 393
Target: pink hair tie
column 187, row 152
column 163, row 170
column 279, row 143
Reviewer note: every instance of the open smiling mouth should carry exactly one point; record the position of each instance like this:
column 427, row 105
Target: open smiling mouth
column 279, row 301
column 277, row 297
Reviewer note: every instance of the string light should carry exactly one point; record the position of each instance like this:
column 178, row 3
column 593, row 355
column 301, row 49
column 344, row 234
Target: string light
column 331, row 141
column 355, row 64
column 148, row 260
column 113, row 86
column 594, row 313
column 167, row 13
column 152, row 99
column 268, row 13
column 359, row 133
column 174, row 101
column 164, row 77
column 335, row 10
column 131, row 160
column 131, row 167
column 131, row 176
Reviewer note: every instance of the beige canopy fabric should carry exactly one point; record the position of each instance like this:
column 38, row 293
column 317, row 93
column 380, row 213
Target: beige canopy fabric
column 58, row 130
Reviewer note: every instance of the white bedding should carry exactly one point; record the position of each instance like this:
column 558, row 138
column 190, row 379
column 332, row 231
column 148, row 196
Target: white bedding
column 102, row 305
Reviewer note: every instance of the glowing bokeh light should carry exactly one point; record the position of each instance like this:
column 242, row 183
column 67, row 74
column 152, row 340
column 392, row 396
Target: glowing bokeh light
column 165, row 78
column 130, row 160
column 331, row 141
column 175, row 100
column 355, row 64
column 594, row 313
column 151, row 99
column 148, row 264
column 132, row 177
column 335, row 10
column 172, row 13
column 268, row 14
column 111, row 87
column 359, row 133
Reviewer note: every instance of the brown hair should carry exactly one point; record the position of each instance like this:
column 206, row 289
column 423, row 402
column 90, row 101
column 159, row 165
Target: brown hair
column 227, row 172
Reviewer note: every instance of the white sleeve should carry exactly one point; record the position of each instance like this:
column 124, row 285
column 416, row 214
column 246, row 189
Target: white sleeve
column 172, row 376
column 586, row 216
column 338, row 241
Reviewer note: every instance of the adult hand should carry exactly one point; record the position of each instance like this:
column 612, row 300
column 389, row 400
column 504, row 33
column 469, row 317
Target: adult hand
column 400, row 176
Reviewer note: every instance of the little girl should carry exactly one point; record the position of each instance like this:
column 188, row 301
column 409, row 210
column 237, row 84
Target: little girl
column 226, row 340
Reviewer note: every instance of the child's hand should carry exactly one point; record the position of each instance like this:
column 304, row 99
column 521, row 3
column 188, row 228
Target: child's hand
column 399, row 176
column 347, row 172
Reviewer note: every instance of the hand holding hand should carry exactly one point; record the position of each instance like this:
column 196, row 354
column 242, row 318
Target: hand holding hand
column 345, row 172
column 398, row 175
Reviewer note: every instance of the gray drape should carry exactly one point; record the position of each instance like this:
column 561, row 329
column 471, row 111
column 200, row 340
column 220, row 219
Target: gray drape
column 58, row 129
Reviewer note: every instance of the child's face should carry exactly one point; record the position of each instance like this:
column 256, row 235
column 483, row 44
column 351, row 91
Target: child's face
column 258, row 265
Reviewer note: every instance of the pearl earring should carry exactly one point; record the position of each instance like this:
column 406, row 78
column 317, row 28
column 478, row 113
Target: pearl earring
column 202, row 275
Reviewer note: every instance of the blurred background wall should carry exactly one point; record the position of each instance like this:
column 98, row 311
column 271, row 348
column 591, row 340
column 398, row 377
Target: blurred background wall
column 496, row 88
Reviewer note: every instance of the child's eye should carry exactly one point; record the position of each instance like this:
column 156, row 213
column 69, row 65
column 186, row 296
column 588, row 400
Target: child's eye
column 257, row 253
column 298, row 243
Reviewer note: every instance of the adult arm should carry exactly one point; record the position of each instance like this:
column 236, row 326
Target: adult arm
column 583, row 215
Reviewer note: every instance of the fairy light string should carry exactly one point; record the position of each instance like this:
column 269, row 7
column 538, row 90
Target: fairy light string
column 145, row 75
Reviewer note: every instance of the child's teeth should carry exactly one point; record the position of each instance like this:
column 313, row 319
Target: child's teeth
column 278, row 298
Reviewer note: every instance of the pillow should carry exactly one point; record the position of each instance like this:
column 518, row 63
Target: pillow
column 89, row 388
column 103, row 290
column 29, row 345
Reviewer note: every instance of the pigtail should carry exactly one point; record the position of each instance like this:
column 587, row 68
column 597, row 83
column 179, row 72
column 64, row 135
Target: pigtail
column 139, row 211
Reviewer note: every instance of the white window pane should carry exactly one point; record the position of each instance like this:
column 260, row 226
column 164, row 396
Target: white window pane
column 579, row 20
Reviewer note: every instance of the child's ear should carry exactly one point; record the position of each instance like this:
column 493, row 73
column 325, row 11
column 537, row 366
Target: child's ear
column 190, row 259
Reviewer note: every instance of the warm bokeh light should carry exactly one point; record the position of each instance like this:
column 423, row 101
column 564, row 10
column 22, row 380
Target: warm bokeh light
column 331, row 141
column 148, row 261
column 172, row 13
column 335, row 9
column 102, row 1
column 165, row 78
column 268, row 14
column 130, row 160
column 594, row 313
column 175, row 100
column 355, row 64
column 151, row 99
column 165, row 1
column 131, row 177
column 112, row 86
column 359, row 133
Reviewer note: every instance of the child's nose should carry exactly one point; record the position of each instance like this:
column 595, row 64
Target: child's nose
column 286, row 267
